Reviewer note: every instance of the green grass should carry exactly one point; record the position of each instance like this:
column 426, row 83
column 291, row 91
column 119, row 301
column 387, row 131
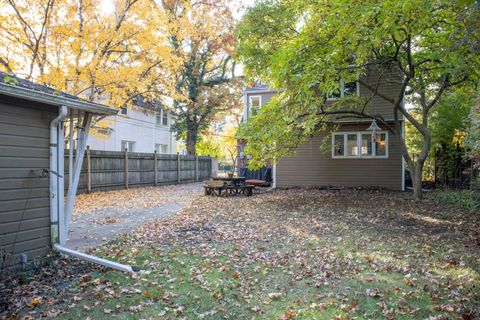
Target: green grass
column 465, row 198
column 193, row 284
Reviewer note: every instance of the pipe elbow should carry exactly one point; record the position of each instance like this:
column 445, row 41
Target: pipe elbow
column 62, row 114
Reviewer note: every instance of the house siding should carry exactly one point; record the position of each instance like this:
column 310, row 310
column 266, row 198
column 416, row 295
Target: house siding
column 24, row 195
column 265, row 97
column 311, row 167
column 140, row 127
column 388, row 86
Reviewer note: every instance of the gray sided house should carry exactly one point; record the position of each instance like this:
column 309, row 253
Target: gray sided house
column 355, row 157
column 33, row 211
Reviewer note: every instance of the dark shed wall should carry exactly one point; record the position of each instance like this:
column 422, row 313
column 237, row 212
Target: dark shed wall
column 24, row 195
column 312, row 167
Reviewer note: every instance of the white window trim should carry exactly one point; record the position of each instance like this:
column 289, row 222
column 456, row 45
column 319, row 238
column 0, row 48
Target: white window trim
column 250, row 103
column 342, row 89
column 159, row 151
column 161, row 112
column 128, row 142
column 359, row 145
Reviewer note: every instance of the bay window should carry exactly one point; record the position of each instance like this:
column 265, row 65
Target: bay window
column 360, row 145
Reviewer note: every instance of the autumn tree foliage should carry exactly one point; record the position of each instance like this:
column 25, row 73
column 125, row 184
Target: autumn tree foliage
column 102, row 56
column 166, row 51
column 201, row 39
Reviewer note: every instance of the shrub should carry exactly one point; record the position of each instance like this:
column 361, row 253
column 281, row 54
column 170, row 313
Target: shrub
column 464, row 198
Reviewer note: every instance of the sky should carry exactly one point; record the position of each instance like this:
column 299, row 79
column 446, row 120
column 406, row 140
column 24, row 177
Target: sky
column 106, row 6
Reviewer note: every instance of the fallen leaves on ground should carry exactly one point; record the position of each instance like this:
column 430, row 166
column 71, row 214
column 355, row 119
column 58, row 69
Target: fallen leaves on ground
column 295, row 254
column 135, row 198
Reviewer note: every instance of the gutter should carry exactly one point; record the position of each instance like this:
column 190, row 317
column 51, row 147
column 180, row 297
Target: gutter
column 252, row 91
column 58, row 223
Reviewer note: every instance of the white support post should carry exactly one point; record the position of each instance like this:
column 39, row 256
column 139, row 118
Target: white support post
column 70, row 151
column 81, row 146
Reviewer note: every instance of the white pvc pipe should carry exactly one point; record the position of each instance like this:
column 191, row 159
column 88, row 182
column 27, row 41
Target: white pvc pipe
column 54, row 230
column 70, row 151
column 81, row 144
column 103, row 262
column 62, row 237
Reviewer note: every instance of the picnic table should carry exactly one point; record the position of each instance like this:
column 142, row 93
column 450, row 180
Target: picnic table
column 225, row 186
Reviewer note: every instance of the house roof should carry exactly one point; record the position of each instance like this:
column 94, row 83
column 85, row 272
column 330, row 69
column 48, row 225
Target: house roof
column 141, row 102
column 259, row 87
column 14, row 86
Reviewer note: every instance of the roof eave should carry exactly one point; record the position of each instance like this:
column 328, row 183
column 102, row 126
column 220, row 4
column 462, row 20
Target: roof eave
column 51, row 99
column 259, row 91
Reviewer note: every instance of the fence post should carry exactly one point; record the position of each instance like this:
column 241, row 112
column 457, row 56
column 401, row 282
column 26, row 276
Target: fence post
column 178, row 167
column 89, row 171
column 126, row 168
column 196, row 168
column 155, row 167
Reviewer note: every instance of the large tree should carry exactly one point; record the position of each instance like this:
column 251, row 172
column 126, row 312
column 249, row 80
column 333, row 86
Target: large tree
column 24, row 27
column 202, row 40
column 109, row 56
column 304, row 47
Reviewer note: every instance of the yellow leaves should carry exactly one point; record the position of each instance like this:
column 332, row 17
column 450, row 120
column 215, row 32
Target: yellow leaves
column 112, row 56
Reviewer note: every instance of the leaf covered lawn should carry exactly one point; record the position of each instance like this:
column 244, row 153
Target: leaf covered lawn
column 292, row 254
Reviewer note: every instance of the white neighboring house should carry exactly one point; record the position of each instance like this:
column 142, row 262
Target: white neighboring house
column 145, row 127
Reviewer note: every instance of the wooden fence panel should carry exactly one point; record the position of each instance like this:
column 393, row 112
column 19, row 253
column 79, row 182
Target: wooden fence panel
column 107, row 170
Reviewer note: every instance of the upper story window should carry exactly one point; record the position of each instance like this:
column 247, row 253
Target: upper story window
column 161, row 117
column 363, row 144
column 254, row 104
column 345, row 89
column 128, row 145
column 124, row 110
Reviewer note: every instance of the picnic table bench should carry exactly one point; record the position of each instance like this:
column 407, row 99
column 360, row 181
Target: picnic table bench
column 221, row 186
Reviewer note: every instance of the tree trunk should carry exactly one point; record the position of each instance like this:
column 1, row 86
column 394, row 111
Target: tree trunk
column 192, row 136
column 417, row 183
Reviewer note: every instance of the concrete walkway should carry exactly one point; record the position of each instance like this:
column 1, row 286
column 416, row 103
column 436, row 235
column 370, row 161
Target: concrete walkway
column 124, row 211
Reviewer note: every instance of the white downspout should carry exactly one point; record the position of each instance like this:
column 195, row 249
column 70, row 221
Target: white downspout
column 58, row 226
column 54, row 173
column 97, row 260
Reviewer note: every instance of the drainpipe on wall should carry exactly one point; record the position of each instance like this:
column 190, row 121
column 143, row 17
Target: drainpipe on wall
column 54, row 174
column 58, row 223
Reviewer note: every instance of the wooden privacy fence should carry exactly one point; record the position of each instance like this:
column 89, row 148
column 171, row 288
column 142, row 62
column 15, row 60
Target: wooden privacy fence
column 113, row 170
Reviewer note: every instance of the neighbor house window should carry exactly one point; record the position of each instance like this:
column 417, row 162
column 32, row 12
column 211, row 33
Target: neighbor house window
column 124, row 110
column 161, row 118
column 128, row 145
column 254, row 104
column 161, row 148
column 360, row 145
column 345, row 90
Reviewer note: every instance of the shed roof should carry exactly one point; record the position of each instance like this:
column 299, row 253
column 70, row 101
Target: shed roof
column 14, row 86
